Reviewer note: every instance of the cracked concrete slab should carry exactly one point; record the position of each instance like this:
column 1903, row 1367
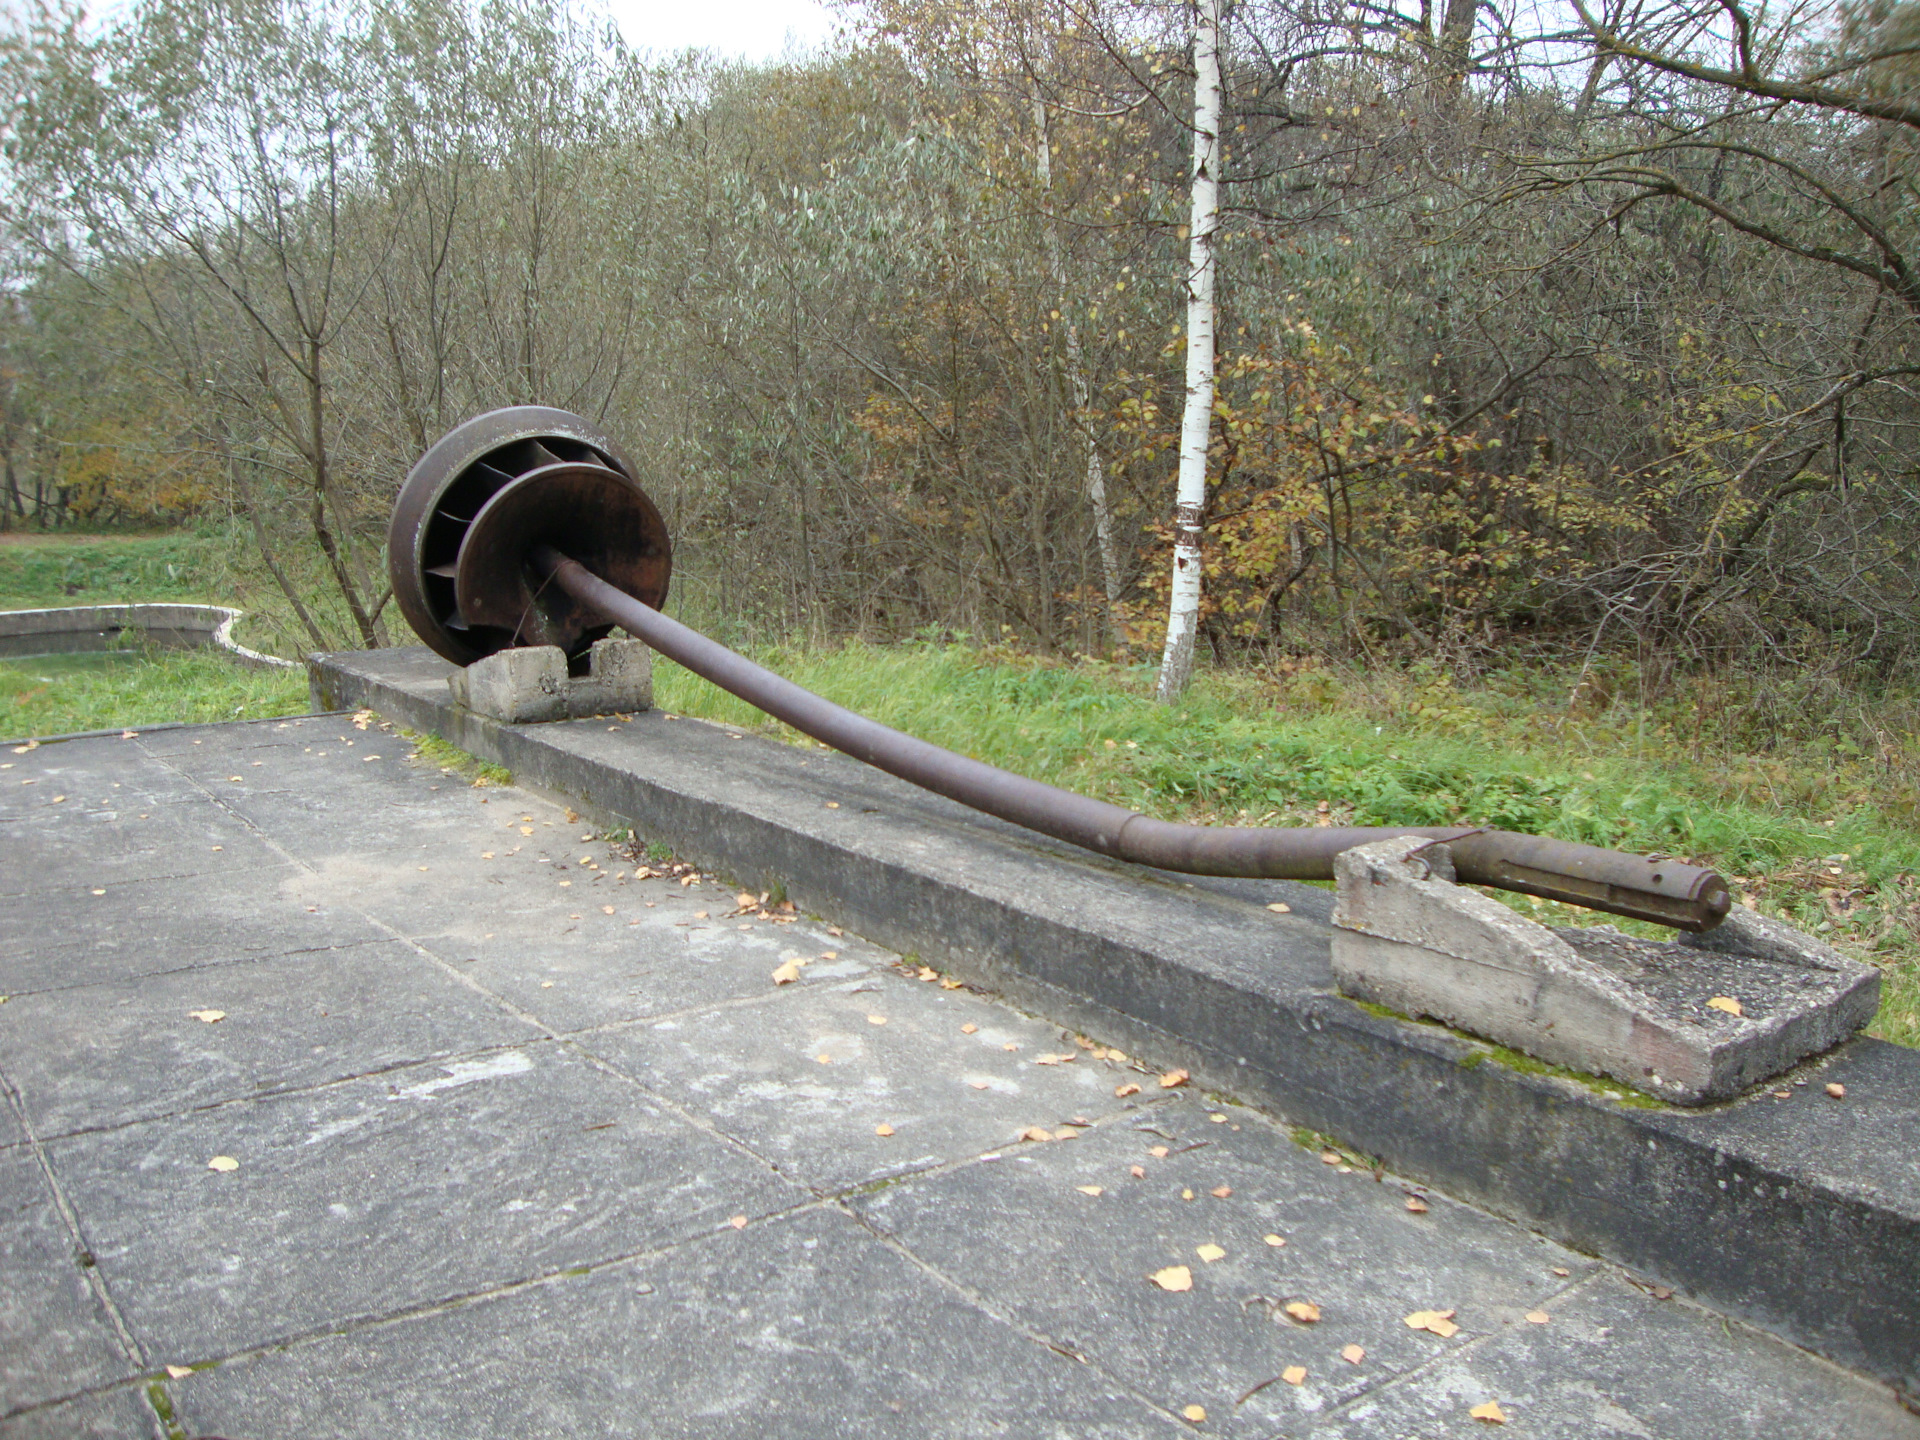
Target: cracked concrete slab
column 553, row 1171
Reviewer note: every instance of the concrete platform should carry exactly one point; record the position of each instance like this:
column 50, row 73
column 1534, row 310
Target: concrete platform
column 1202, row 975
column 524, row 1146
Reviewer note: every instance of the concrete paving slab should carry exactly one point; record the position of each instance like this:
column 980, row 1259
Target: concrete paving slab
column 151, row 926
column 598, row 970
column 1075, row 1265
column 799, row 1328
column 677, row 1220
column 121, row 1414
column 274, row 731
column 85, row 774
column 1598, row 1367
column 370, row 1196
column 174, row 840
column 57, row 1340
column 109, row 1054
column 895, row 1056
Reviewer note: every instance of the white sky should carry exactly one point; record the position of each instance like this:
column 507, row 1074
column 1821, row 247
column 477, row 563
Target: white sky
column 733, row 29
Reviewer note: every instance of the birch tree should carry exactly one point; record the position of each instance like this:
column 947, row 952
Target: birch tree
column 1196, row 424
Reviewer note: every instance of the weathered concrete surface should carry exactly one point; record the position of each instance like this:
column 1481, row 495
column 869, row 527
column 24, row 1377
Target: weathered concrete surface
column 1689, row 1022
column 508, row 1164
column 530, row 683
column 1202, row 975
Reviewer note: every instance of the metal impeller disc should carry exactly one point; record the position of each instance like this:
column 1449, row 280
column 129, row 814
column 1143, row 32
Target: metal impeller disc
column 490, row 489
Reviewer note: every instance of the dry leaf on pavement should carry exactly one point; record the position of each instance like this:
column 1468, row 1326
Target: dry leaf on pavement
column 223, row 1163
column 968, row 1028
column 1120, row 1092
column 1440, row 1322
column 1139, row 1172
column 1538, row 1317
column 1490, row 1413
column 739, row 1222
column 1210, row 1253
column 179, row 1372
column 1174, row 1277
column 1174, row 1078
column 209, row 1016
column 1221, row 1192
column 1294, row 1374
column 1416, row 1205
column 1352, row 1354
column 1090, row 1189
column 1280, row 908
column 787, row 972
column 1273, row 1240
column 1195, row 1413
column 1304, row 1311
column 1036, row 1133
column 883, row 1130
column 1725, row 1002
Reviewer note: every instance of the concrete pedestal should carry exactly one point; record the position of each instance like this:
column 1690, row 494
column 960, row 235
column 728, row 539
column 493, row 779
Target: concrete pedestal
column 1698, row 1019
column 530, row 684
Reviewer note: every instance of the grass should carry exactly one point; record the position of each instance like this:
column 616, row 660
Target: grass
column 1803, row 830
column 153, row 688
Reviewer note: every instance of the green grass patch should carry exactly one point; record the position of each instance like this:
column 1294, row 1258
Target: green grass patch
column 452, row 760
column 150, row 687
column 1817, row 831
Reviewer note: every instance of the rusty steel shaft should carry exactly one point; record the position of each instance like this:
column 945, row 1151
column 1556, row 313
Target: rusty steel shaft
column 1684, row 896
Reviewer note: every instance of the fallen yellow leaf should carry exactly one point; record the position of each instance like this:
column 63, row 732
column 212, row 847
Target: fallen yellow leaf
column 1036, row 1132
column 1159, row 1152
column 1352, row 1354
column 1538, row 1317
column 744, row 900
column 1174, row 1277
column 1837, row 1090
column 223, row 1163
column 1139, row 1172
column 1174, row 1078
column 179, row 1372
column 1304, row 1311
column 1280, row 908
column 1416, row 1205
column 209, row 1016
column 787, row 973
column 1211, row 1253
column 1121, row 1092
column 1186, row 1194
column 979, row 1084
column 968, row 1028
column 738, row 1222
column 1294, row 1374
column 1490, row 1413
column 824, row 1058
column 1273, row 1240
column 883, row 1130
column 1329, row 1157
column 876, row 1019
column 1221, row 1192
column 1090, row 1189
column 1726, row 1003
column 1195, row 1413
column 606, row 909
column 1066, row 1132
column 1440, row 1322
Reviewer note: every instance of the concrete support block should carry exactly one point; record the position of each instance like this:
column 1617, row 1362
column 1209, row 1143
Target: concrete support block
column 1693, row 1020
column 529, row 684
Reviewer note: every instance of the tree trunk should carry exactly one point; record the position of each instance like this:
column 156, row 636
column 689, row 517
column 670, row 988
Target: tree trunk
column 1077, row 384
column 1196, row 424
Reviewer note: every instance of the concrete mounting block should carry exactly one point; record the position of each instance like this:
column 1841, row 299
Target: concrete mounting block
column 529, row 683
column 1694, row 1020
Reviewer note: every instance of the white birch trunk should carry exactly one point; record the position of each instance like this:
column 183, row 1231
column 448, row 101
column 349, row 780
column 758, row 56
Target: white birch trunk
column 1196, row 423
column 1077, row 382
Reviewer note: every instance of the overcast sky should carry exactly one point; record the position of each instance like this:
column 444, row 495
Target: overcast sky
column 747, row 29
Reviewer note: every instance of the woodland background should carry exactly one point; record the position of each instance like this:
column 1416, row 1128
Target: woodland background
column 1564, row 334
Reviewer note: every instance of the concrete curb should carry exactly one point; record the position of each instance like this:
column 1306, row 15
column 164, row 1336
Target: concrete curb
column 1801, row 1215
column 80, row 628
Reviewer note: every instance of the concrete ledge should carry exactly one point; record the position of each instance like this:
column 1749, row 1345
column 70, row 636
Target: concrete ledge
column 80, row 629
column 1801, row 1215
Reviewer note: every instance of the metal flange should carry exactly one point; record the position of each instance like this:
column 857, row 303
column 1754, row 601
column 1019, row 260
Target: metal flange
column 485, row 494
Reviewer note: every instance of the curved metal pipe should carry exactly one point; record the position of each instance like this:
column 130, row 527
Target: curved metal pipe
column 1685, row 896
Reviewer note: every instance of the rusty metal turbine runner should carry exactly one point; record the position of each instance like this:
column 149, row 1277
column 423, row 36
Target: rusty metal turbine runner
column 525, row 526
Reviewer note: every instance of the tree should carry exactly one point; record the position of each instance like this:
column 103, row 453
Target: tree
column 1196, row 426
